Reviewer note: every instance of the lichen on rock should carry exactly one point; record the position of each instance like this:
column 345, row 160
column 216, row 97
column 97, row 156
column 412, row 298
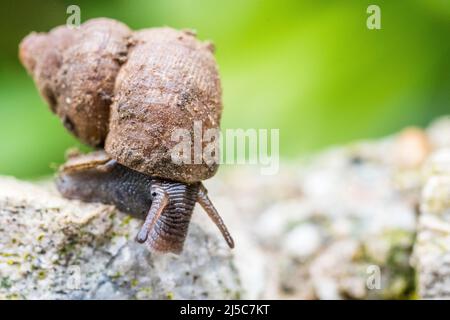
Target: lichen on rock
column 53, row 248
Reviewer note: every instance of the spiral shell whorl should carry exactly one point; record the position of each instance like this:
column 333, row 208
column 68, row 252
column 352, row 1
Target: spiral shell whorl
column 75, row 71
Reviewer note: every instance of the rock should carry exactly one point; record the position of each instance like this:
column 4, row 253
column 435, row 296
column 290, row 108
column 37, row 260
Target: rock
column 325, row 222
column 302, row 242
column 412, row 148
column 439, row 133
column 342, row 223
column 59, row 249
column 335, row 271
column 432, row 248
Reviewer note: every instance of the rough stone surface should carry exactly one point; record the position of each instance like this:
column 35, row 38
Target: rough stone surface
column 432, row 249
column 330, row 223
column 52, row 248
column 325, row 224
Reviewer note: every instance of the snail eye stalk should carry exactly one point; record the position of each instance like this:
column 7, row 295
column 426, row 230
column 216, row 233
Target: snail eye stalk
column 159, row 202
column 207, row 205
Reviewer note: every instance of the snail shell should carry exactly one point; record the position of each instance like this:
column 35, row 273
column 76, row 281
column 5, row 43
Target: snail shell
column 128, row 91
column 174, row 82
column 41, row 54
column 75, row 71
column 85, row 80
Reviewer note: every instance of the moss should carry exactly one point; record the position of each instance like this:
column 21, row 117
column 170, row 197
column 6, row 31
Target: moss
column 144, row 293
column 396, row 268
column 116, row 276
column 11, row 262
column 14, row 296
column 5, row 283
column 67, row 249
column 399, row 269
column 41, row 275
column 7, row 255
column 126, row 221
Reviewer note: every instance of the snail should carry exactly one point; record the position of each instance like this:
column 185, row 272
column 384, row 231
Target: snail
column 124, row 92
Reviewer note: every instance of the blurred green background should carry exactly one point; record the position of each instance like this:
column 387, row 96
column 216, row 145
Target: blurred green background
column 310, row 68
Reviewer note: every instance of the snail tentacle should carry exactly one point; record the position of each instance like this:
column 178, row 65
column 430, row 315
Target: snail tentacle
column 160, row 201
column 207, row 205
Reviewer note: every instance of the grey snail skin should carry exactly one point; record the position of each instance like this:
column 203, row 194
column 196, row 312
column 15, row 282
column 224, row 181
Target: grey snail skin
column 124, row 92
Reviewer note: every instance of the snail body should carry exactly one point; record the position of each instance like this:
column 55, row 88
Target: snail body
column 97, row 178
column 127, row 92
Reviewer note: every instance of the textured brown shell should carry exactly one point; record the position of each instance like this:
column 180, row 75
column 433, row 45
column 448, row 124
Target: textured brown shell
column 169, row 81
column 147, row 84
column 75, row 70
column 42, row 55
